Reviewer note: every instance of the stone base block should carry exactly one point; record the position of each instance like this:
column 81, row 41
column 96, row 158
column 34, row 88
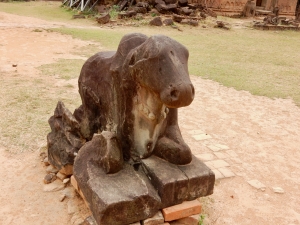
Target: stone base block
column 175, row 183
column 137, row 193
column 115, row 199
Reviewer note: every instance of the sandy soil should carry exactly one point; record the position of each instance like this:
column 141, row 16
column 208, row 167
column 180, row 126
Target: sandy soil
column 262, row 136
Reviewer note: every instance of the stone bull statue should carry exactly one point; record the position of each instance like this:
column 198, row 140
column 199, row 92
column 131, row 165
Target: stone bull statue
column 124, row 141
column 133, row 95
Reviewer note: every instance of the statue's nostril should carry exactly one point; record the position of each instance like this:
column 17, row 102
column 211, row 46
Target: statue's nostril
column 193, row 90
column 174, row 94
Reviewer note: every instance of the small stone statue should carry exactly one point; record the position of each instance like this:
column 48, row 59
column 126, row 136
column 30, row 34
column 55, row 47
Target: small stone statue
column 126, row 130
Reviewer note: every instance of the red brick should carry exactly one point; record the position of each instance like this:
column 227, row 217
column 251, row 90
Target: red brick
column 190, row 220
column 182, row 210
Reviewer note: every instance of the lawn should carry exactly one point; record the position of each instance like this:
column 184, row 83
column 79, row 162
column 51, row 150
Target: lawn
column 264, row 63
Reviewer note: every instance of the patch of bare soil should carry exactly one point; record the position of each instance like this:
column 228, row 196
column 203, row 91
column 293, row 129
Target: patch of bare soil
column 261, row 136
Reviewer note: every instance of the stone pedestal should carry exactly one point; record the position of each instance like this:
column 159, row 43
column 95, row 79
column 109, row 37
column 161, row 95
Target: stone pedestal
column 175, row 183
column 135, row 194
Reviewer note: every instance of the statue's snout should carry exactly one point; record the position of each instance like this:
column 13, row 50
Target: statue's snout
column 178, row 95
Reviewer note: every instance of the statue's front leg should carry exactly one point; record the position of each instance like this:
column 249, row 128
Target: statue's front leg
column 170, row 145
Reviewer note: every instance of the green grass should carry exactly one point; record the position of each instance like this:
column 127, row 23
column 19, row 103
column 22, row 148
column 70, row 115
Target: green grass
column 46, row 10
column 65, row 68
column 261, row 62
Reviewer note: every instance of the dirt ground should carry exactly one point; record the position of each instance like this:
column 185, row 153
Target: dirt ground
column 252, row 137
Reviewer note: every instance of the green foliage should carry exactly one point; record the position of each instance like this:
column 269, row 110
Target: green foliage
column 113, row 12
column 201, row 219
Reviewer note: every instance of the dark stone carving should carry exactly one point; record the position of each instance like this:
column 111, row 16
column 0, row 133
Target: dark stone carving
column 117, row 199
column 65, row 138
column 131, row 159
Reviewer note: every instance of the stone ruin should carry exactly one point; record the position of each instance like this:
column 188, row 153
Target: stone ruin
column 123, row 144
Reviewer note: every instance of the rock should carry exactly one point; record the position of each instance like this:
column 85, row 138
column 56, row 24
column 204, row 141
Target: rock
column 65, row 138
column 49, row 178
column 156, row 21
column 65, row 181
column 90, row 220
column 46, row 161
column 221, row 24
column 175, row 183
column 69, row 192
column 61, row 176
column 156, row 219
column 182, row 3
column 80, row 16
column 141, row 10
column 178, row 18
column 257, row 184
column 56, row 185
column 186, row 11
column 108, row 152
column 203, row 15
column 51, row 169
column 278, row 190
column 144, row 5
column 103, row 18
column 77, row 219
column 127, row 14
column 72, row 207
column 185, row 21
column 127, row 192
column 67, row 170
column 168, row 22
column 194, row 23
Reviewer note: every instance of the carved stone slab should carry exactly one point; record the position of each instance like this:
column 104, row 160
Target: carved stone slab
column 176, row 184
column 115, row 199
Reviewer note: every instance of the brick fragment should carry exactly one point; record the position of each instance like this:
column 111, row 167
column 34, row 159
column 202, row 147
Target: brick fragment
column 190, row 220
column 182, row 210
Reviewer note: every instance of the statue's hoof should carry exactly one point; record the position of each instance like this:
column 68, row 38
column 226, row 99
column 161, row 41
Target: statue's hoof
column 167, row 149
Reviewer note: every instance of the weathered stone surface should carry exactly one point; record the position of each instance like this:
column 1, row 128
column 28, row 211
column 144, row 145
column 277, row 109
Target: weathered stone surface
column 278, row 190
column 46, row 161
column 257, row 184
column 178, row 18
column 168, row 22
column 103, row 18
column 127, row 192
column 155, row 220
column 182, row 3
column 56, row 185
column 49, row 178
column 67, row 169
column 107, row 151
column 156, row 21
column 126, row 14
column 51, row 169
column 61, row 176
column 129, row 113
column 65, row 138
column 176, row 184
column 194, row 23
column 90, row 221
